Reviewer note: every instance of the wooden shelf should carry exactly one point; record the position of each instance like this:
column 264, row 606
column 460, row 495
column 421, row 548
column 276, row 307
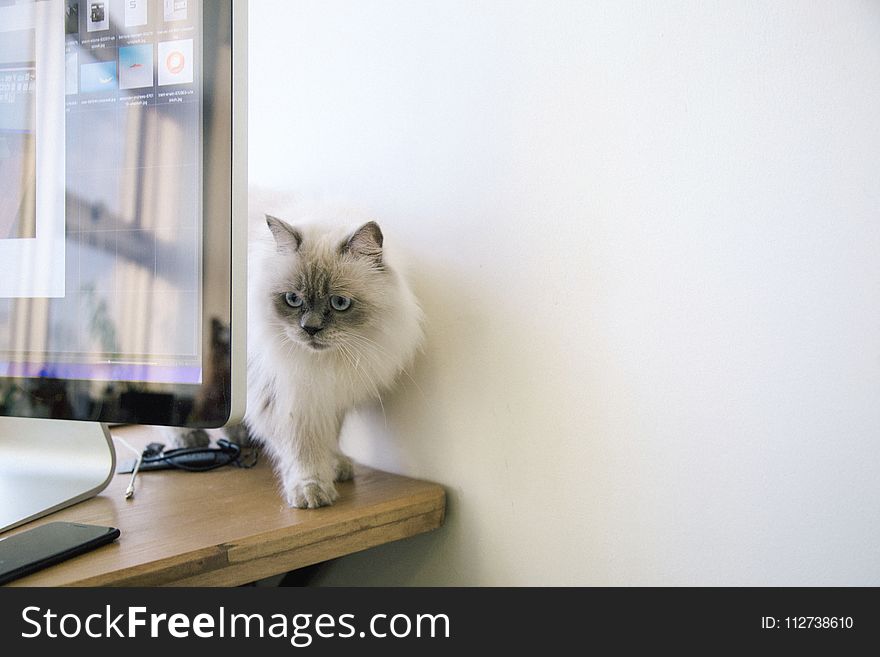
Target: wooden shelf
column 230, row 526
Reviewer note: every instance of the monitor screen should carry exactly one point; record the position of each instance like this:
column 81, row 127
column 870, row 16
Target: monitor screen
column 115, row 168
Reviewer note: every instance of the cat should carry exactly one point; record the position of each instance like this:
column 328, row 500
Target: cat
column 331, row 324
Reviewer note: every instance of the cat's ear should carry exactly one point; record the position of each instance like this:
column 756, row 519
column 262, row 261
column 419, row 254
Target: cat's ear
column 366, row 242
column 287, row 238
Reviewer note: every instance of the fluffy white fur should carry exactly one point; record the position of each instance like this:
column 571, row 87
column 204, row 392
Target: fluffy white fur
column 297, row 395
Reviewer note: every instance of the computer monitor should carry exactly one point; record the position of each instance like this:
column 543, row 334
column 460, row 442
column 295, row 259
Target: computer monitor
column 122, row 233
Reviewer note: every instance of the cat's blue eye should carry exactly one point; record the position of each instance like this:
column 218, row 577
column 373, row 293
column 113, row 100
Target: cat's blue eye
column 293, row 299
column 340, row 303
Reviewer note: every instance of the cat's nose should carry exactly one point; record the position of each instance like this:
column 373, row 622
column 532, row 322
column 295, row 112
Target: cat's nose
column 311, row 322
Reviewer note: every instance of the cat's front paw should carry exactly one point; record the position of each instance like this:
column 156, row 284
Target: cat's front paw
column 180, row 437
column 311, row 494
column 344, row 469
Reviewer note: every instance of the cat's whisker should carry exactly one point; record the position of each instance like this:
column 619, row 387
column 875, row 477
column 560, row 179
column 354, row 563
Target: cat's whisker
column 347, row 357
column 357, row 354
column 355, row 361
column 375, row 345
column 348, row 347
column 285, row 341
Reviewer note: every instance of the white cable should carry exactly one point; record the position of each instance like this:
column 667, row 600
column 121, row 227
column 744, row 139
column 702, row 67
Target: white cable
column 129, row 492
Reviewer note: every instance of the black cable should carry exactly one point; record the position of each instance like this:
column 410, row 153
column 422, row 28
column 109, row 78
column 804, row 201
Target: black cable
column 206, row 458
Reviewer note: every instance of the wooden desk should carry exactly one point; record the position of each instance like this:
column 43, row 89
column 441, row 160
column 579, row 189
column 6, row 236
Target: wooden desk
column 229, row 526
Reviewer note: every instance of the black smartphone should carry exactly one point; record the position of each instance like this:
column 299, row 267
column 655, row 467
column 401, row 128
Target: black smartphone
column 46, row 545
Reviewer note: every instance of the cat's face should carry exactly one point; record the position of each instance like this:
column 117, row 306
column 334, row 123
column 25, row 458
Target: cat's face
column 328, row 292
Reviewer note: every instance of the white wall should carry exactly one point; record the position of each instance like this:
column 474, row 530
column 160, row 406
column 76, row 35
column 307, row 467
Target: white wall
column 648, row 238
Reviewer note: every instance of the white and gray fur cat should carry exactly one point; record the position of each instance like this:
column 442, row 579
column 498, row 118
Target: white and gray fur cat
column 331, row 324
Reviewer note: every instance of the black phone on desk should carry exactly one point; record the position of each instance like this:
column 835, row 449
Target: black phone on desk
column 34, row 549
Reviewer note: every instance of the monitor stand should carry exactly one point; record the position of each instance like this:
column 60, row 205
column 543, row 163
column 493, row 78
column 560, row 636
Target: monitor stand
column 46, row 465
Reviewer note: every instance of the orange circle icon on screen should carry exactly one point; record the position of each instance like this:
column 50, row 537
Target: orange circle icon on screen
column 175, row 62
